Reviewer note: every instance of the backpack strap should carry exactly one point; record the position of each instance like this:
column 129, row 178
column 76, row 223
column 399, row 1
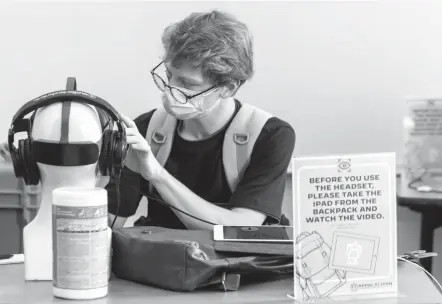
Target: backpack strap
column 239, row 141
column 160, row 133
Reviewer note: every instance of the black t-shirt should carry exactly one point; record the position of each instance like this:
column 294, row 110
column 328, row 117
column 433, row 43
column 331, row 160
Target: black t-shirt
column 199, row 166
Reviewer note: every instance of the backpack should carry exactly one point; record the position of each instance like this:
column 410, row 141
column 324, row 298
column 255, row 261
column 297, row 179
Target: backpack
column 238, row 144
column 312, row 259
column 190, row 260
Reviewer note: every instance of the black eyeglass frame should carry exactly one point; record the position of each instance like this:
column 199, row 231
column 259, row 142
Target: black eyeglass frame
column 152, row 72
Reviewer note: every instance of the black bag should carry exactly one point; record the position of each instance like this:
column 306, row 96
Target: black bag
column 185, row 260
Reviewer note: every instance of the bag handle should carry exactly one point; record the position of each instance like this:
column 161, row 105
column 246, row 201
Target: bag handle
column 261, row 263
column 226, row 281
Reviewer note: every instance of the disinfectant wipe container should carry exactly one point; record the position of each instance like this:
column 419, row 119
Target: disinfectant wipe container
column 80, row 243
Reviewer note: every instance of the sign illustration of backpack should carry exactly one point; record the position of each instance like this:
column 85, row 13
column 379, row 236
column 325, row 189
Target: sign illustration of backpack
column 312, row 259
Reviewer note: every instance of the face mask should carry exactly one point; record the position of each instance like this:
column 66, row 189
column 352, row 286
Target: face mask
column 193, row 108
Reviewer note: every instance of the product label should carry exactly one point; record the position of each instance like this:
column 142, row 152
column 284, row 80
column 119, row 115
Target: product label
column 80, row 247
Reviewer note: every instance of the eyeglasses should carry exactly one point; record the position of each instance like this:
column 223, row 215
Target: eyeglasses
column 176, row 93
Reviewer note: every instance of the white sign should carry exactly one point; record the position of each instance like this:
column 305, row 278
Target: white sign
column 344, row 218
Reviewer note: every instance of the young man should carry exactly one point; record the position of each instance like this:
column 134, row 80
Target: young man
column 208, row 56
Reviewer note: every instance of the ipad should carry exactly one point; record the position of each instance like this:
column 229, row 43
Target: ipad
column 280, row 234
column 354, row 252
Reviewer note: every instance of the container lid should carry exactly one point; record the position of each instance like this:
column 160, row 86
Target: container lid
column 79, row 196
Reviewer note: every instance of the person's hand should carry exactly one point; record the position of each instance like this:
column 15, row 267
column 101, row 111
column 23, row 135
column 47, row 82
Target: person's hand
column 139, row 155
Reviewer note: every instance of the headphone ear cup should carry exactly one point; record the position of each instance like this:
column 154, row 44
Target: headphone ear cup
column 31, row 172
column 17, row 162
column 110, row 160
column 103, row 160
column 118, row 153
column 113, row 153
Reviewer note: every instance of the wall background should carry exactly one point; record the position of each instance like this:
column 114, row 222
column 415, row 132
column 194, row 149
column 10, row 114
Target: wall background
column 322, row 66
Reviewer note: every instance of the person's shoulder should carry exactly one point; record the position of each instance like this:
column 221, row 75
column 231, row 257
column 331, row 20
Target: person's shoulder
column 276, row 124
column 278, row 134
column 274, row 131
column 279, row 129
column 144, row 117
column 142, row 121
column 274, row 146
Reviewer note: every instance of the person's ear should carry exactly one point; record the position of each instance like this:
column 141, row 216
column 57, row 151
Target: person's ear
column 230, row 89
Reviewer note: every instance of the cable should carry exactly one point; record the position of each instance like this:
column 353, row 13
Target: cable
column 118, row 199
column 291, row 295
column 160, row 200
column 422, row 268
column 157, row 199
column 118, row 205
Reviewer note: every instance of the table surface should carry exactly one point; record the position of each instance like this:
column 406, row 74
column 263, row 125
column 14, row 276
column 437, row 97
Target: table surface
column 414, row 287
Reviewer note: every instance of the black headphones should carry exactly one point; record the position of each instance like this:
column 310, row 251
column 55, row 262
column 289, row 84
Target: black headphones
column 65, row 153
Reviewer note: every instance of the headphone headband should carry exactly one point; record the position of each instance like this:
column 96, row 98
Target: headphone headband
column 64, row 95
column 64, row 153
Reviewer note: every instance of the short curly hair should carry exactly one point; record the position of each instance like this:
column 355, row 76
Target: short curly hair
column 216, row 42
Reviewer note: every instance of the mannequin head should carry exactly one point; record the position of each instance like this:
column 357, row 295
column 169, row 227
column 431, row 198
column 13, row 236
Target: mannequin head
column 84, row 126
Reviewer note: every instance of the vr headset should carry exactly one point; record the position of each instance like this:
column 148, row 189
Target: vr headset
column 64, row 153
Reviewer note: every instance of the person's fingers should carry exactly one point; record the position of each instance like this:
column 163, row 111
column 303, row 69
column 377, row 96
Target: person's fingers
column 131, row 131
column 137, row 141
column 128, row 122
column 135, row 146
column 132, row 140
column 140, row 147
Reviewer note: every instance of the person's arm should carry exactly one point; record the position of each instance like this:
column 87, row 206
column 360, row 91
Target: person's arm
column 259, row 194
column 175, row 193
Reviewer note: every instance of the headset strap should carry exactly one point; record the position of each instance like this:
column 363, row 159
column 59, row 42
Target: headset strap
column 71, row 85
